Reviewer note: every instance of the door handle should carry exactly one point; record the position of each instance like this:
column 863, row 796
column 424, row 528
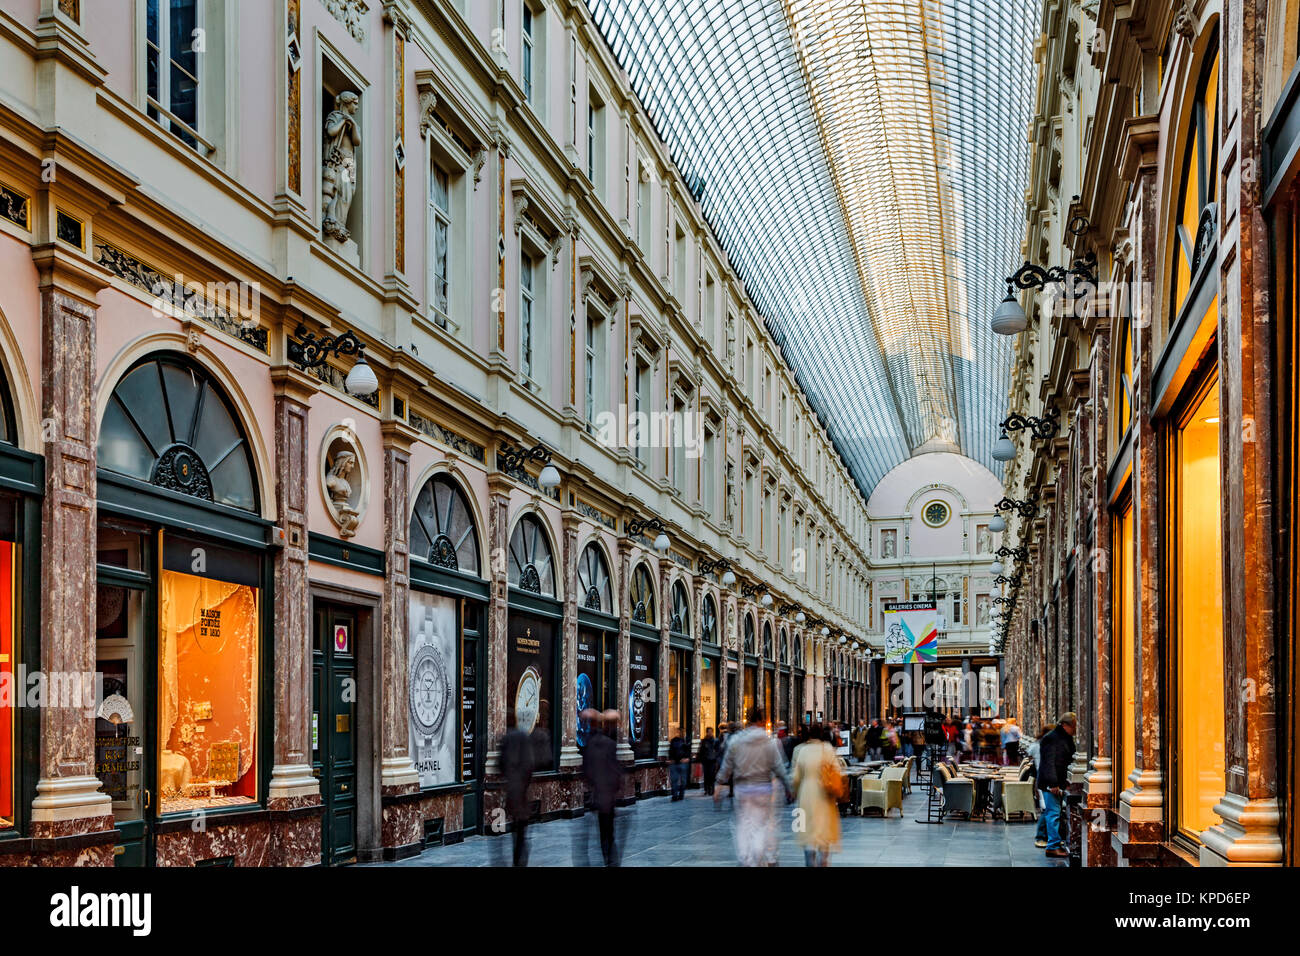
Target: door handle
column 148, row 798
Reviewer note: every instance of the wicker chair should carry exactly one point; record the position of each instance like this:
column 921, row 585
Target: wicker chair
column 958, row 793
column 882, row 794
column 1018, row 798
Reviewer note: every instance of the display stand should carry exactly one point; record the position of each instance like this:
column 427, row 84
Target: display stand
column 931, row 757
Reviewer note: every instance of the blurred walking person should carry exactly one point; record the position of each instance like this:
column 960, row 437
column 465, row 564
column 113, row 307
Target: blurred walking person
column 707, row 756
column 517, row 768
column 818, row 785
column 753, row 761
column 605, row 777
column 679, row 766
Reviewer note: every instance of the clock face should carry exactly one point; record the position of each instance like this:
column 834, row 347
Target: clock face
column 430, row 691
column 527, row 698
column 935, row 514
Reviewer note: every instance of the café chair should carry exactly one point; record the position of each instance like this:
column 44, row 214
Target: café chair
column 958, row 794
column 883, row 794
column 1018, row 798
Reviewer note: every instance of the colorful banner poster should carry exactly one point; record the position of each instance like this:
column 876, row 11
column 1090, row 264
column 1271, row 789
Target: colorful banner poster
column 911, row 632
column 431, row 688
column 642, row 710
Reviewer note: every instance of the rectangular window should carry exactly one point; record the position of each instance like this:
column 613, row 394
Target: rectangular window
column 526, row 69
column 642, row 396
column 1124, row 630
column 595, row 364
column 707, row 477
column 679, row 266
column 9, row 588
column 710, row 311
column 595, row 139
column 678, row 450
column 439, row 234
column 527, row 303
column 1198, row 609
column 208, row 638
column 172, row 44
column 643, row 208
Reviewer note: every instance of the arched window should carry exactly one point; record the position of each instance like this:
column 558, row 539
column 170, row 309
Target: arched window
column 8, row 428
column 749, row 634
column 1194, row 221
column 767, row 641
column 442, row 527
column 680, row 622
column 708, row 620
column 169, row 423
column 593, row 580
column 798, row 652
column 783, row 647
column 531, row 567
column 643, row 596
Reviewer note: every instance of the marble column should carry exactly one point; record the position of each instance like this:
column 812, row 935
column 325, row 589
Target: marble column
column 68, row 801
column 398, row 777
column 697, row 662
column 665, row 611
column 570, row 756
column 622, row 659
column 1251, row 808
column 498, row 618
column 293, row 789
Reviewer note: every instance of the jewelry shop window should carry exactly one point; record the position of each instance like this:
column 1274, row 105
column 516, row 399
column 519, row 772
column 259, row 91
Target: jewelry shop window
column 209, row 643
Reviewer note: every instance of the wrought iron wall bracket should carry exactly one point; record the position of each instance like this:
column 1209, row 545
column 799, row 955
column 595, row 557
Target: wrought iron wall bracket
column 1041, row 428
column 312, row 351
column 513, row 459
column 1020, row 553
column 1026, row 509
column 719, row 564
column 639, row 526
column 1031, row 276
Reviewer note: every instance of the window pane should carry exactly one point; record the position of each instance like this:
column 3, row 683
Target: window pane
column 208, row 638
column 119, row 721
column 1200, row 709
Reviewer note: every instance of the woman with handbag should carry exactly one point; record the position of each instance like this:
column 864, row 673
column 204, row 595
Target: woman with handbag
column 819, row 786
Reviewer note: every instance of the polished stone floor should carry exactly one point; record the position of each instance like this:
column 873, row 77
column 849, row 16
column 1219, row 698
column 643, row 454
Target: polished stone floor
column 691, row 832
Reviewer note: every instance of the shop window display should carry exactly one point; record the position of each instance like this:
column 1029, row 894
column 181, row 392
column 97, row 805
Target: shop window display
column 530, row 684
column 643, row 665
column 432, row 688
column 207, row 692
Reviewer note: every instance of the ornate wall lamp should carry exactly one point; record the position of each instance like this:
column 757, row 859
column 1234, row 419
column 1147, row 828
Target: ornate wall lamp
column 719, row 564
column 1020, row 553
column 1009, row 319
column 639, row 526
column 313, row 352
column 513, row 459
column 785, row 609
column 1004, row 449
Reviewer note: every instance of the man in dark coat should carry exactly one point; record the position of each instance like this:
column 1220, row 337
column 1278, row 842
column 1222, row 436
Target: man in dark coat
column 707, row 755
column 517, row 768
column 605, row 777
column 1055, row 752
column 679, row 766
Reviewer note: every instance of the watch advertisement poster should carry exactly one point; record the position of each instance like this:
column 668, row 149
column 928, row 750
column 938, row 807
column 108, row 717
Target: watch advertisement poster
column 530, row 676
column 431, row 687
column 642, row 695
column 588, row 683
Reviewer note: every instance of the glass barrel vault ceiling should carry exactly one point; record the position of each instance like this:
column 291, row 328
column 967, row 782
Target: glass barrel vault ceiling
column 863, row 164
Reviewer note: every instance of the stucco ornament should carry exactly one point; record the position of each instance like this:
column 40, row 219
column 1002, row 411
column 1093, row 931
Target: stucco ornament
column 339, row 167
column 344, row 479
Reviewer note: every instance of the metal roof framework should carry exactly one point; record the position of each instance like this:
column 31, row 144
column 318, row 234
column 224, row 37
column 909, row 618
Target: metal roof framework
column 863, row 165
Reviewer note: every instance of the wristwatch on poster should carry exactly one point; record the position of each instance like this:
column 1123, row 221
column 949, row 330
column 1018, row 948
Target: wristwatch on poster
column 430, row 697
column 528, row 699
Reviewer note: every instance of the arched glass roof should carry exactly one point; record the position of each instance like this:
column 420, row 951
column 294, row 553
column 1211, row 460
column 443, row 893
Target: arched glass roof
column 863, row 164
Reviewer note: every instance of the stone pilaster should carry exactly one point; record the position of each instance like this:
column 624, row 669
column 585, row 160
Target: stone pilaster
column 498, row 616
column 622, row 659
column 68, row 801
column 398, row 777
column 292, row 786
column 697, row 662
column 570, row 756
column 1250, row 810
column 665, row 612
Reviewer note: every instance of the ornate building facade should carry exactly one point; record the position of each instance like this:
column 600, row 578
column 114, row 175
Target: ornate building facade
column 1155, row 589
column 307, row 304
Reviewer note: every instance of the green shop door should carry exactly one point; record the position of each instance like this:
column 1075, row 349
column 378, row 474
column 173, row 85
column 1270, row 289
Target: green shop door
column 333, row 729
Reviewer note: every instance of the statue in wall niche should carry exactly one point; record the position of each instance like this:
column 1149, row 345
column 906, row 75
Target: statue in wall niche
column 982, row 609
column 983, row 540
column 339, row 166
column 731, row 494
column 340, row 492
column 889, row 544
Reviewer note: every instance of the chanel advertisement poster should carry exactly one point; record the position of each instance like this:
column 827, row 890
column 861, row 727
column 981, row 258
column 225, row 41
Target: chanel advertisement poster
column 642, row 709
column 431, row 686
column 530, row 677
